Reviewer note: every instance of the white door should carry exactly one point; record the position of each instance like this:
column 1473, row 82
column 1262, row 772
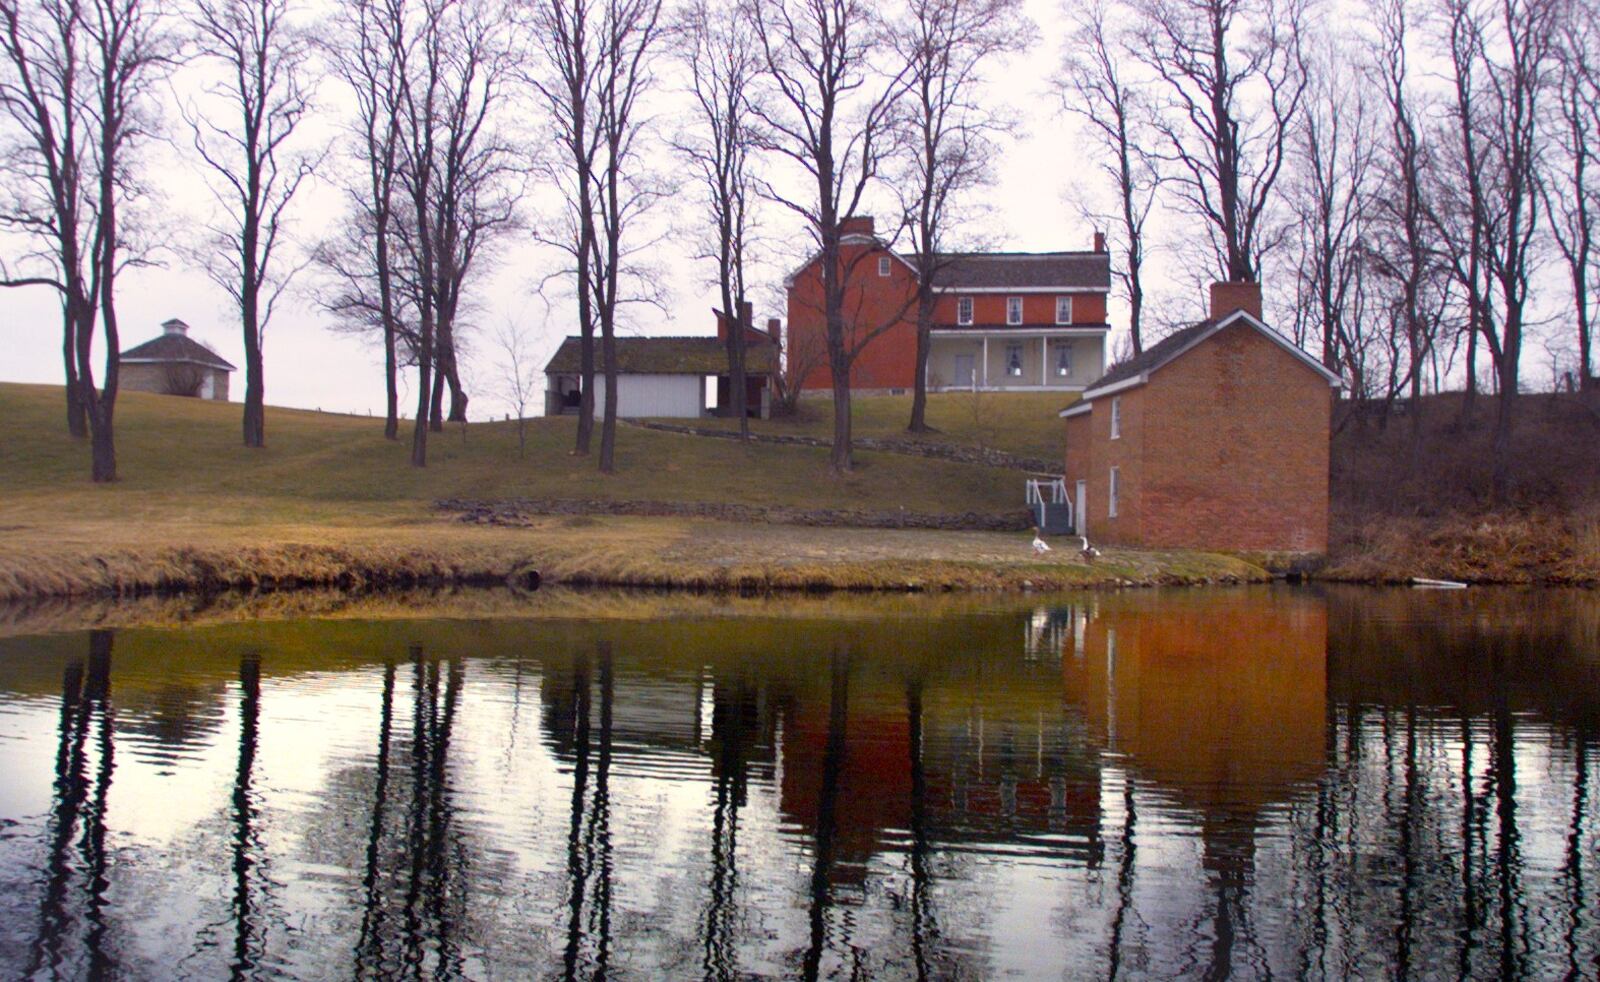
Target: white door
column 1080, row 508
column 964, row 371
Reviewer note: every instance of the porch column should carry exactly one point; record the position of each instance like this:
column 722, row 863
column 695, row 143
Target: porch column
column 1044, row 361
column 983, row 375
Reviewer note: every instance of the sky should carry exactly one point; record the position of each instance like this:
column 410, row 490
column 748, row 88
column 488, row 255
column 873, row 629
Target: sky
column 1028, row 207
column 1040, row 176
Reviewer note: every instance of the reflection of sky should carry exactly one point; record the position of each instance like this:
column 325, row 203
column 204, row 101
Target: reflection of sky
column 1132, row 847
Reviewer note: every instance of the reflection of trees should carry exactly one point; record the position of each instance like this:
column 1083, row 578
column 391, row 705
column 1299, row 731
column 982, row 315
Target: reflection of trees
column 734, row 722
column 823, row 847
column 589, row 862
column 417, row 877
column 77, row 827
column 246, row 845
column 924, row 927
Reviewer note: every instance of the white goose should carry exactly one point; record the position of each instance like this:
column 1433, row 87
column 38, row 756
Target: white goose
column 1040, row 547
column 1090, row 553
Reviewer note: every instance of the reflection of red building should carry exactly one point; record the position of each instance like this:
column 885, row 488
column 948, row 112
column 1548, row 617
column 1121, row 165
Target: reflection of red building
column 985, row 776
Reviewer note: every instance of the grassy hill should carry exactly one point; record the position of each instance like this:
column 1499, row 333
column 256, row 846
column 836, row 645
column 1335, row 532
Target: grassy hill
column 330, row 501
column 171, row 450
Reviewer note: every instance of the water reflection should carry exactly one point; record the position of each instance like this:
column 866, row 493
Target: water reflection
column 1217, row 784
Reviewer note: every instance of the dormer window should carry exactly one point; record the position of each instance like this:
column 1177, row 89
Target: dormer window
column 1063, row 310
column 883, row 265
column 1013, row 310
column 963, row 310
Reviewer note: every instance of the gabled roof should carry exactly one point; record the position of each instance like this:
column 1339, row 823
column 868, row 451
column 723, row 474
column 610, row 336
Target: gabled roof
column 1137, row 370
column 175, row 348
column 665, row 356
column 1023, row 271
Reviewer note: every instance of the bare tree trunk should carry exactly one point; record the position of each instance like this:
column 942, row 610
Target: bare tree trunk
column 919, row 394
column 77, row 418
column 419, row 430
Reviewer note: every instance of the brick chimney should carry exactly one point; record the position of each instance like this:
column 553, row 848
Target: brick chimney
column 1099, row 241
column 857, row 225
column 773, row 326
column 1229, row 297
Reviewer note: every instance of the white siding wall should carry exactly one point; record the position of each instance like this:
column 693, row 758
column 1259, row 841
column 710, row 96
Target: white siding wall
column 654, row 395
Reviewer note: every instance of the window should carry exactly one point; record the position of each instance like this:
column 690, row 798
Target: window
column 1063, row 310
column 1116, row 417
column 1014, row 359
column 1013, row 310
column 1064, row 359
column 1111, row 495
column 883, row 265
column 964, row 310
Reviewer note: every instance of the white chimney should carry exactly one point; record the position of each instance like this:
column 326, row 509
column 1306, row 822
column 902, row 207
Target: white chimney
column 175, row 326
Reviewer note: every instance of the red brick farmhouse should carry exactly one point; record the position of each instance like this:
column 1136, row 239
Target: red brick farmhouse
column 1215, row 438
column 1005, row 321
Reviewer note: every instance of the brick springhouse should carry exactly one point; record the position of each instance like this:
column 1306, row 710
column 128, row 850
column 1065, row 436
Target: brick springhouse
column 1214, row 438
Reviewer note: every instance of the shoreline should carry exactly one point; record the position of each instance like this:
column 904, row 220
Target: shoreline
column 586, row 551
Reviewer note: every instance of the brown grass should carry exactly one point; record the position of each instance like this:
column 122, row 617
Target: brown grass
column 1420, row 505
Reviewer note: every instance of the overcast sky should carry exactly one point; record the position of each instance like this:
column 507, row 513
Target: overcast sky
column 309, row 366
column 1032, row 205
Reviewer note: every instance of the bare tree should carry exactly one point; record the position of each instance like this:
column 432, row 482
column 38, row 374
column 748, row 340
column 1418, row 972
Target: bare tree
column 1097, row 86
column 456, row 176
column 946, row 45
column 563, row 35
column 519, row 374
column 720, row 51
column 1402, row 248
column 829, row 114
column 241, row 134
column 75, row 77
column 1502, row 61
column 631, row 32
column 1571, row 186
column 1330, row 194
column 182, row 379
column 360, row 51
column 1234, row 75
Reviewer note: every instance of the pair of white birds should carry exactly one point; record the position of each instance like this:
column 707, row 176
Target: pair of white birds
column 1040, row 547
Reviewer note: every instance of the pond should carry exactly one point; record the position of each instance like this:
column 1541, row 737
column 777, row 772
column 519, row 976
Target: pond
column 1256, row 781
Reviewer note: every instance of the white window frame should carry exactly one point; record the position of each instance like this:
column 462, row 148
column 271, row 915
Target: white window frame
column 1063, row 348
column 1013, row 303
column 1065, row 318
column 883, row 266
column 964, row 307
column 1111, row 493
column 1014, row 348
column 1116, row 417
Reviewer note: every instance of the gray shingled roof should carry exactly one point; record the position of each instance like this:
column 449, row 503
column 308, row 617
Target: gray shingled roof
column 665, row 356
column 177, row 348
column 1024, row 270
column 1153, row 357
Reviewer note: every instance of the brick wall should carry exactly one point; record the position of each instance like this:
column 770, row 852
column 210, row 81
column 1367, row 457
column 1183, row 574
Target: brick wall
column 889, row 360
column 1237, row 449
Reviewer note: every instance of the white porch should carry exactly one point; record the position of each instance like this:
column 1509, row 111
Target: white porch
column 1061, row 359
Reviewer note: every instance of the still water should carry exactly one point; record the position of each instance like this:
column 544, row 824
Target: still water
column 1263, row 782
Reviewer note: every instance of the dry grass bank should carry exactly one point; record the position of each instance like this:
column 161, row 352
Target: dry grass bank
column 70, row 559
column 1417, row 502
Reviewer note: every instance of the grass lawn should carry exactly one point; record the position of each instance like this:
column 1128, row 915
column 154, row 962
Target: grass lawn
column 330, row 501
column 1022, row 423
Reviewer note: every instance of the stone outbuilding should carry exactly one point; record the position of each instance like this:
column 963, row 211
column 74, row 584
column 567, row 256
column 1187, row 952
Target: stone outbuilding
column 175, row 364
column 1215, row 438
